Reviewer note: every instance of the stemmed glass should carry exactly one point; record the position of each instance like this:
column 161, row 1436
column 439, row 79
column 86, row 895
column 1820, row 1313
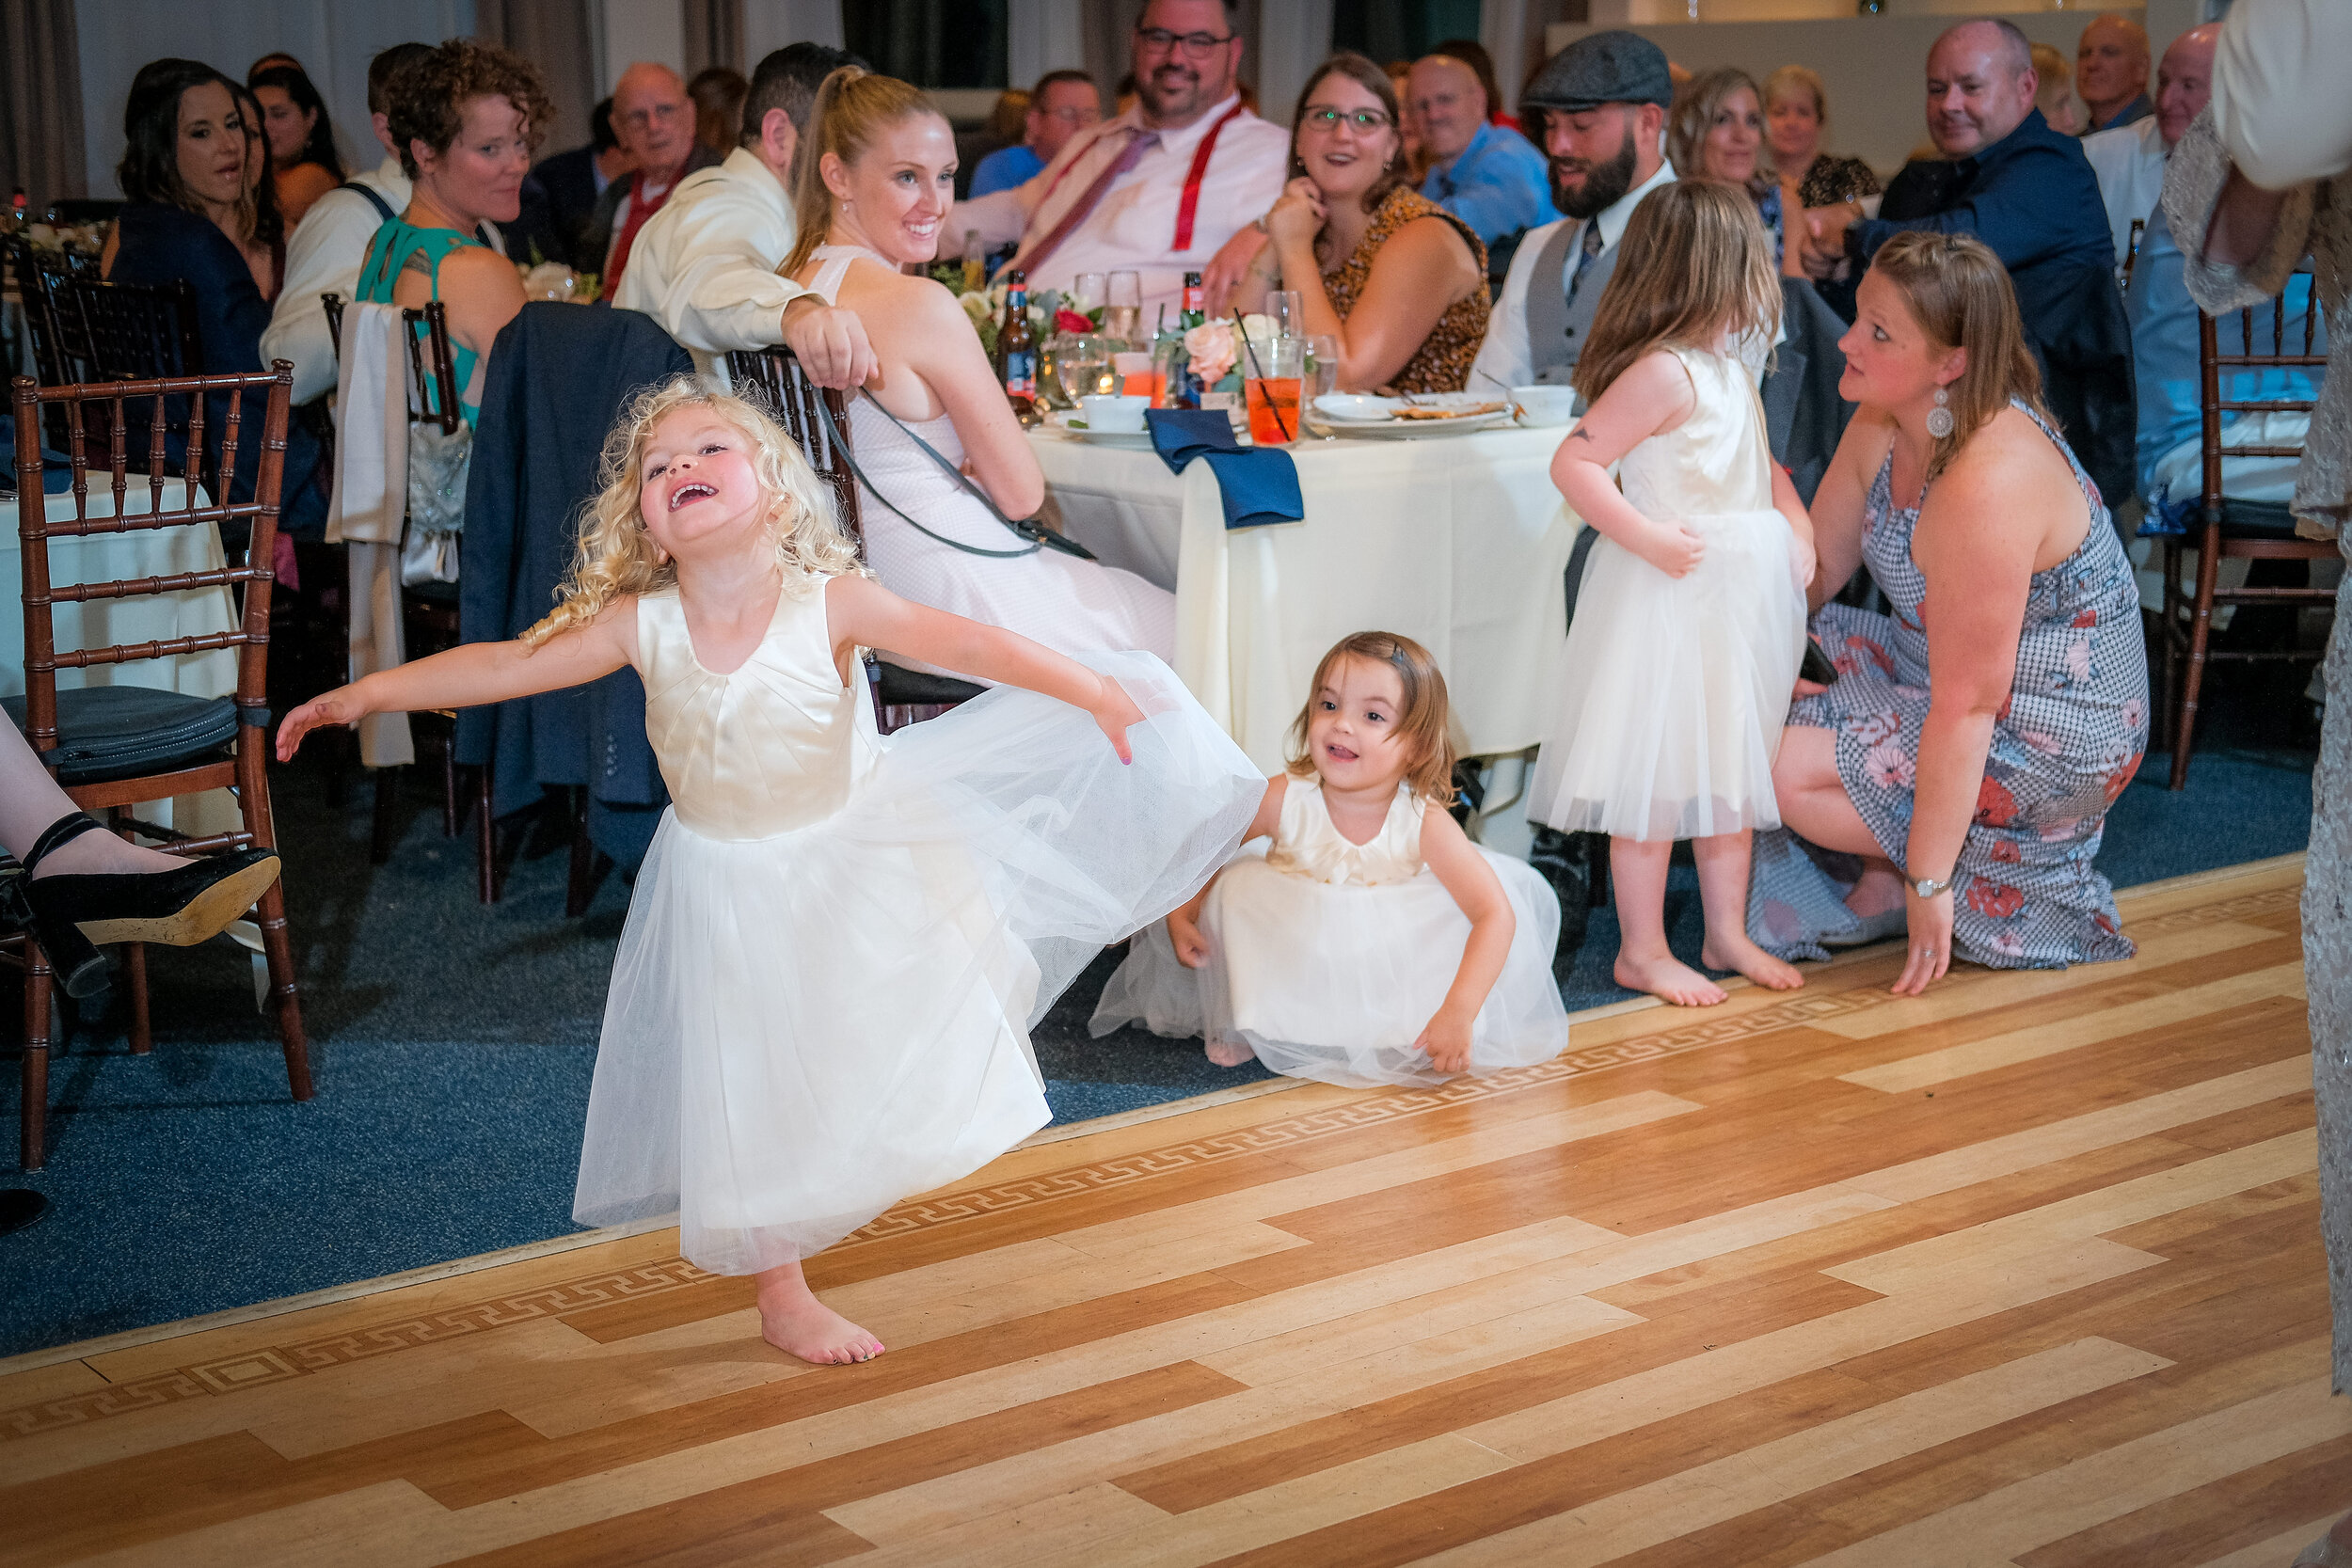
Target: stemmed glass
column 1123, row 307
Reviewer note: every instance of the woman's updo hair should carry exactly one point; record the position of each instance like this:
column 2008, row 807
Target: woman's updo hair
column 428, row 95
column 150, row 170
column 1692, row 115
column 853, row 106
column 1959, row 292
column 1373, row 80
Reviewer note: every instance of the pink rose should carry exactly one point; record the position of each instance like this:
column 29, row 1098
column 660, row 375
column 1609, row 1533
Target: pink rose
column 1210, row 347
column 1888, row 765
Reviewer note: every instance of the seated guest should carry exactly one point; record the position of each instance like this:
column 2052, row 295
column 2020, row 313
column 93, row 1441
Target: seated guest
column 704, row 265
column 465, row 117
column 1490, row 177
column 655, row 121
column 2055, row 95
column 1157, row 190
column 1473, row 54
column 2029, row 193
column 874, row 180
column 718, row 94
column 2130, row 159
column 1064, row 103
column 264, row 221
column 323, row 256
column 1398, row 280
column 561, row 193
column 304, row 164
column 1796, row 111
column 1715, row 131
column 1960, row 770
column 1416, row 161
column 2111, row 72
column 191, row 217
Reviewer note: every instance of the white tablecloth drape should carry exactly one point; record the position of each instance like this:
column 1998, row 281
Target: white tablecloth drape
column 149, row 618
column 1458, row 541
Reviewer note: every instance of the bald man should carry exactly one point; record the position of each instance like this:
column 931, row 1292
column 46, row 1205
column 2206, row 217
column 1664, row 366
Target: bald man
column 2111, row 73
column 655, row 121
column 2129, row 160
column 1488, row 175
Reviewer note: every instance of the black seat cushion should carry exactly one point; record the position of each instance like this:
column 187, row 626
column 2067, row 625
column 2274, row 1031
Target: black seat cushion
column 903, row 688
column 128, row 732
column 2244, row 520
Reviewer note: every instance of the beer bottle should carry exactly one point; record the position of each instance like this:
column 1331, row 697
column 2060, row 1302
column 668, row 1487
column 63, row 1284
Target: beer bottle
column 1016, row 345
column 1195, row 313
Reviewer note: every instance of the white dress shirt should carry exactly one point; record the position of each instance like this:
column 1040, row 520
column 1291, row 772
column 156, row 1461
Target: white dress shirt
column 2279, row 103
column 1506, row 355
column 705, row 266
column 2129, row 161
column 1132, row 227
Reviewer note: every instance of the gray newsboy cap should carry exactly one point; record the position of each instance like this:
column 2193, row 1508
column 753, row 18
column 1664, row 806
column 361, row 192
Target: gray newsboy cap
column 1602, row 68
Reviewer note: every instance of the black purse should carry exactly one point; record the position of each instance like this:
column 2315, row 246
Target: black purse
column 1039, row 536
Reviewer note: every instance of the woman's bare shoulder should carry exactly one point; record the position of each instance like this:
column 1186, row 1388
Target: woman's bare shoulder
column 2008, row 449
column 1431, row 242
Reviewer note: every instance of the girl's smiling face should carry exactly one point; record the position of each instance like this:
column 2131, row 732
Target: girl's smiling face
column 898, row 193
column 697, row 489
column 1352, row 733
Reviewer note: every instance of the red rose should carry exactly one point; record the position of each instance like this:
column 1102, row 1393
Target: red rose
column 2005, row 852
column 1071, row 320
column 1992, row 900
column 1996, row 806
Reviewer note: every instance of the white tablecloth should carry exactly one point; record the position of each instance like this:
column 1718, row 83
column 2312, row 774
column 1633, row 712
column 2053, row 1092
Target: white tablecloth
column 1458, row 541
column 149, row 618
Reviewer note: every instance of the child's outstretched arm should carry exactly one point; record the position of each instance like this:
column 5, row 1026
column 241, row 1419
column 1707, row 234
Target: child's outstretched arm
column 475, row 673
column 1183, row 921
column 861, row 612
column 1479, row 893
column 1801, row 554
column 1652, row 395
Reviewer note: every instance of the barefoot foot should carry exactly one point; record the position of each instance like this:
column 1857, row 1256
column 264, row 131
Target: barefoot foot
column 1667, row 979
column 1229, row 1052
column 1739, row 953
column 793, row 1319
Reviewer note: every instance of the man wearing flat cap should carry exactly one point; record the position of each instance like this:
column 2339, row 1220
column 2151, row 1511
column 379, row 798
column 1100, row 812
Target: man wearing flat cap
column 1602, row 101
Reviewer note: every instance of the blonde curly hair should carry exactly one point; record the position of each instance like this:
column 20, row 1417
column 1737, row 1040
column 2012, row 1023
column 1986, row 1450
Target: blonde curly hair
column 618, row 556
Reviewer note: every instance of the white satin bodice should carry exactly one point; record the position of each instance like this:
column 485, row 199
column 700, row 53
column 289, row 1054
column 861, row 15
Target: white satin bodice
column 1308, row 844
column 1714, row 462
column 771, row 746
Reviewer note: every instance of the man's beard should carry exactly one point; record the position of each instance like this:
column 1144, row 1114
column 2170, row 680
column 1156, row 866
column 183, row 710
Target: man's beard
column 1605, row 184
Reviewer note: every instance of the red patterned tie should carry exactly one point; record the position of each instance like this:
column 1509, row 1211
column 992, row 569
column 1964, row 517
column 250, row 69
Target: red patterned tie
column 1137, row 145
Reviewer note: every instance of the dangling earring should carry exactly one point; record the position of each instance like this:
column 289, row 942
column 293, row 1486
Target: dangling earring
column 1940, row 417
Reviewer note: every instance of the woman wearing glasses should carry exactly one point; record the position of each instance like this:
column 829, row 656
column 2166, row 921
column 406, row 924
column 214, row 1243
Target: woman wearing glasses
column 1399, row 282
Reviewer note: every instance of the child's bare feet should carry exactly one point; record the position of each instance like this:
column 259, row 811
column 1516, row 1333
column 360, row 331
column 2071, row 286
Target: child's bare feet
column 1229, row 1052
column 793, row 1319
column 1668, row 979
column 1739, row 953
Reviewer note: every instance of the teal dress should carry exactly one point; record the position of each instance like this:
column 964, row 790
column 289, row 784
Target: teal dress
column 387, row 254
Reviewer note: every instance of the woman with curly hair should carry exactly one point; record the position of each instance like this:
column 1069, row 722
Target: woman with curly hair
column 465, row 117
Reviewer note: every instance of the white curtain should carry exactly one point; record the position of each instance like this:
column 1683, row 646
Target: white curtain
column 769, row 24
column 333, row 39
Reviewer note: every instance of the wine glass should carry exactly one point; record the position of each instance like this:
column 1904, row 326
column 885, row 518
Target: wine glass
column 1086, row 293
column 1082, row 365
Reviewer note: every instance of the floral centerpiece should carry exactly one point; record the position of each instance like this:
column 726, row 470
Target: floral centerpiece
column 555, row 281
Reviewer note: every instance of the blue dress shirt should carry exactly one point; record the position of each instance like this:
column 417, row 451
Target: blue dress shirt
column 1005, row 167
column 1498, row 184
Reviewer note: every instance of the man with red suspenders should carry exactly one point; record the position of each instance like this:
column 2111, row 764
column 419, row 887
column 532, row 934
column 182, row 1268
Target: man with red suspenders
column 1153, row 191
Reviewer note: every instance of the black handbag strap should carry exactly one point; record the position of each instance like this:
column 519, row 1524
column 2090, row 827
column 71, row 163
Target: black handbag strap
column 1038, row 536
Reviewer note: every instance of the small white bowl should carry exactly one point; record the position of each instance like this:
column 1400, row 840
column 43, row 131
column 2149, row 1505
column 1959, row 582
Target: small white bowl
column 1541, row 407
column 1114, row 415
column 1356, row 407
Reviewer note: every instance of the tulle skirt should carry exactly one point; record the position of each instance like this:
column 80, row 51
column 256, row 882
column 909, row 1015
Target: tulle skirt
column 1674, row 688
column 803, row 1030
column 1335, row 983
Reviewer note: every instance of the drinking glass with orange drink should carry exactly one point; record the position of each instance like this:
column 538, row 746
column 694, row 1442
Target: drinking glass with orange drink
column 1271, row 372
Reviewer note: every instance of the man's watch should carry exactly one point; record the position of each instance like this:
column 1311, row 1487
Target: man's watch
column 1927, row 887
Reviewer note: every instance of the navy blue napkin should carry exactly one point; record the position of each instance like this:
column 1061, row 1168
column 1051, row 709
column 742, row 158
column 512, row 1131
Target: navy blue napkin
column 56, row 473
column 1259, row 486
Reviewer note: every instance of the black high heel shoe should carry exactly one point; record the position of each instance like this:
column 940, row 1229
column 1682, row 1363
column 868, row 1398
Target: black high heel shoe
column 80, row 968
column 179, row 908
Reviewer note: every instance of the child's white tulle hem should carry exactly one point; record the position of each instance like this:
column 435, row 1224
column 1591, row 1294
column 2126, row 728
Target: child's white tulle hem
column 803, row 1030
column 1335, row 982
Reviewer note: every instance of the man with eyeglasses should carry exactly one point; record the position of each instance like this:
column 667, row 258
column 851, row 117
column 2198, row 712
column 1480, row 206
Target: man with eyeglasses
column 655, row 121
column 1488, row 175
column 1155, row 190
column 1064, row 103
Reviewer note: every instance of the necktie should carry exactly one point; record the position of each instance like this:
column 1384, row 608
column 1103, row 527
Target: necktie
column 1137, row 145
column 1591, row 247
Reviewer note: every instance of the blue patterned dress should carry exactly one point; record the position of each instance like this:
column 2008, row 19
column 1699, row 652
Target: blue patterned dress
column 2064, row 745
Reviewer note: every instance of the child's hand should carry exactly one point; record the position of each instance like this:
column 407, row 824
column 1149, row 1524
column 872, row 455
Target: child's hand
column 1190, row 942
column 1674, row 549
column 1803, row 562
column 1446, row 1041
column 343, row 706
column 1114, row 710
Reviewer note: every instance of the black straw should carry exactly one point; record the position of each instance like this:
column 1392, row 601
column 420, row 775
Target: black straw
column 1246, row 347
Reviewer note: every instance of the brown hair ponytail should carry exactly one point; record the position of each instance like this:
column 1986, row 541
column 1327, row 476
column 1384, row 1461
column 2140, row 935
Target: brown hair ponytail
column 853, row 106
column 1959, row 292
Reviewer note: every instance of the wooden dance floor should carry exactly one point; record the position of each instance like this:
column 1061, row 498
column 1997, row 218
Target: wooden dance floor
column 2026, row 1272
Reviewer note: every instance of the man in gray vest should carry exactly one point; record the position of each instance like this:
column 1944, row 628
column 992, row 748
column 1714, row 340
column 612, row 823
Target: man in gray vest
column 1603, row 105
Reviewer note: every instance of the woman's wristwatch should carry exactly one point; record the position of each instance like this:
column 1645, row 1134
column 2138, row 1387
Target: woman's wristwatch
column 1927, row 887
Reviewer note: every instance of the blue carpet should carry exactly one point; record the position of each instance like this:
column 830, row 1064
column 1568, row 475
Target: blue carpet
column 454, row 1044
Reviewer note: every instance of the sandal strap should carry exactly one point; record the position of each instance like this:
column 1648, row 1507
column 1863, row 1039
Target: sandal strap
column 56, row 837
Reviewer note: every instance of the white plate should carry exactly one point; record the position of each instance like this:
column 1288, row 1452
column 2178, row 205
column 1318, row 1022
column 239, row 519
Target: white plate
column 1356, row 408
column 1405, row 430
column 1137, row 439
